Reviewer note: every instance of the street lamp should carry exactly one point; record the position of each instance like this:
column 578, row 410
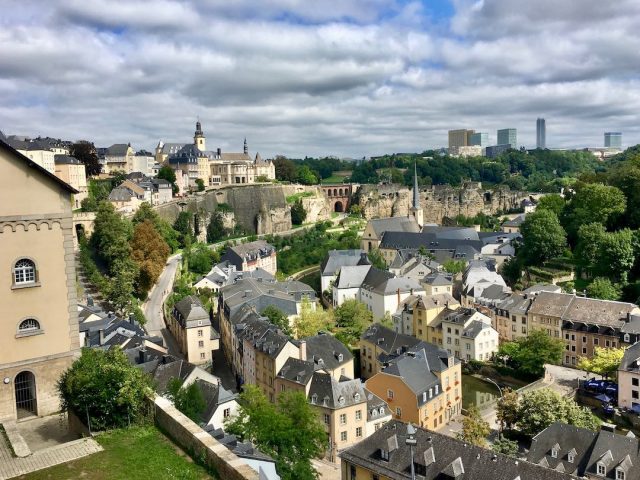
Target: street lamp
column 501, row 396
column 411, row 441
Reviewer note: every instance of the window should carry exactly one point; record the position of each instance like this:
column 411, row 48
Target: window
column 200, row 332
column 227, row 412
column 359, row 432
column 595, row 341
column 626, row 338
column 390, row 394
column 602, row 470
column 358, row 415
column 513, row 328
column 24, row 272
column 28, row 325
column 524, row 330
column 343, row 419
column 635, row 381
column 571, row 457
column 200, row 343
column 554, row 452
column 449, row 340
column 343, row 436
column 202, row 356
column 327, row 418
column 398, row 411
column 282, row 388
column 619, row 474
column 584, row 350
column 634, row 394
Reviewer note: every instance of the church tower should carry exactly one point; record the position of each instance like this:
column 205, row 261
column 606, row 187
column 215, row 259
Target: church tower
column 198, row 138
column 416, row 211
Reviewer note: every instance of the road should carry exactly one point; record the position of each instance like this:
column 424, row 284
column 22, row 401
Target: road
column 154, row 304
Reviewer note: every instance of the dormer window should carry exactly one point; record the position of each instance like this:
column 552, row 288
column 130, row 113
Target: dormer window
column 356, row 396
column 627, row 338
column 601, row 469
column 620, row 474
column 437, row 387
column 340, row 357
column 384, row 454
column 314, row 398
column 341, row 400
column 571, row 457
column 554, row 451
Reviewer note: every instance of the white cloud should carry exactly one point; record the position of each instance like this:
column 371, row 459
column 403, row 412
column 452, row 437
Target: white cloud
column 351, row 77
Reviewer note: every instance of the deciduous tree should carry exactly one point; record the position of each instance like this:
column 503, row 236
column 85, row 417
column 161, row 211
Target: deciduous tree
column 507, row 409
column 278, row 318
column 605, row 361
column 543, row 237
column 150, row 252
column 86, row 152
column 298, row 213
column 189, row 400
column 312, row 320
column 290, row 431
column 604, row 289
column 216, row 230
column 474, row 428
column 352, row 318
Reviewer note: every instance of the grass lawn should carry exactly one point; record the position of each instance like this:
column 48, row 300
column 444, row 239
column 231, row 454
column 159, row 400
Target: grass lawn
column 135, row 453
column 335, row 178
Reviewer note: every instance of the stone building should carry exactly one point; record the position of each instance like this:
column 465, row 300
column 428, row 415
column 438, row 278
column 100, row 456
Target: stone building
column 191, row 327
column 247, row 257
column 72, row 171
column 39, row 333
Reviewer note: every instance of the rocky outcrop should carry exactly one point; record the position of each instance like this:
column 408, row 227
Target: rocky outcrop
column 437, row 201
column 255, row 208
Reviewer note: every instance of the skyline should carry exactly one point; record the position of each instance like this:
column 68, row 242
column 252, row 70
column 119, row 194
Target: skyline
column 348, row 78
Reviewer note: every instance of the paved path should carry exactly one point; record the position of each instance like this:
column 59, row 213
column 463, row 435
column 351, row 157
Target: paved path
column 12, row 467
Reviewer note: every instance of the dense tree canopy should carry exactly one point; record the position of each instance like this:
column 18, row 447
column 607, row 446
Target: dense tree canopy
column 86, row 152
column 150, row 252
column 103, row 386
column 290, row 431
column 529, row 354
column 543, row 237
column 605, row 361
column 352, row 319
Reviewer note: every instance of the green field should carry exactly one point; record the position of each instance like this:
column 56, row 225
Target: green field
column 129, row 454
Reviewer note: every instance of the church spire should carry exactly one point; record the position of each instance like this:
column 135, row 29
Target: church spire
column 416, row 193
column 246, row 148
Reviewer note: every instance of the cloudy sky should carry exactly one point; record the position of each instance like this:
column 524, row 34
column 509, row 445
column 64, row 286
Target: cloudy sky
column 319, row 77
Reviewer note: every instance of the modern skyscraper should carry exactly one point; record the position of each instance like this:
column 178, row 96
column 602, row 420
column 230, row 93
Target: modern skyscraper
column 508, row 136
column 541, row 133
column 460, row 138
column 613, row 140
column 480, row 139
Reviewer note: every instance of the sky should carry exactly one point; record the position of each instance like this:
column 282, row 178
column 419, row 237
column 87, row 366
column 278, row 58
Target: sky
column 350, row 78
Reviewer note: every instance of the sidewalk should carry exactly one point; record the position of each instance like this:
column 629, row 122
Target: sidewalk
column 12, row 467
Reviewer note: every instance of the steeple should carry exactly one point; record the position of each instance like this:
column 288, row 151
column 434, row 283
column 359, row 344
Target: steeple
column 246, row 148
column 198, row 137
column 416, row 193
column 415, row 211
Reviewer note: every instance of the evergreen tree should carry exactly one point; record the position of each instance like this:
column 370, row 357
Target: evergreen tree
column 216, row 230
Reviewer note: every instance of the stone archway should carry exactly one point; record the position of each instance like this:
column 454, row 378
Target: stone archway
column 338, row 207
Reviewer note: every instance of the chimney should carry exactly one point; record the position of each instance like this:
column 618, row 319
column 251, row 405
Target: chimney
column 142, row 355
column 219, row 152
column 398, row 292
column 628, row 319
column 303, row 350
column 101, row 336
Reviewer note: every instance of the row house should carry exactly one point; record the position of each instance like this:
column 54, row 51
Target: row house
column 421, row 317
column 468, row 335
column 191, row 326
column 379, row 290
column 421, row 386
column 119, row 157
column 250, row 256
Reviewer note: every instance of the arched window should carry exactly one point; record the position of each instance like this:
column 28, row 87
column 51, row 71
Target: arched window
column 29, row 325
column 24, row 271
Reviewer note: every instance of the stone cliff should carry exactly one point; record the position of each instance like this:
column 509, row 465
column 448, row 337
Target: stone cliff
column 255, row 208
column 437, row 201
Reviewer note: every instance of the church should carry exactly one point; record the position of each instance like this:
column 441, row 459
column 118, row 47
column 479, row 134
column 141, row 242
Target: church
column 214, row 168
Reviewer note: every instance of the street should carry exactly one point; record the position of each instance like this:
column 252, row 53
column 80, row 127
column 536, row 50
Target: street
column 154, row 304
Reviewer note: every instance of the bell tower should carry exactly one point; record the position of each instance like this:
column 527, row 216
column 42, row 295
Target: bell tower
column 198, row 138
column 415, row 211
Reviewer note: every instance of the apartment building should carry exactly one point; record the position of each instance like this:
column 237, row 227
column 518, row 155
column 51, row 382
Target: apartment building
column 250, row 256
column 467, row 334
column 629, row 379
column 39, row 336
column 421, row 386
column 191, row 326
column 72, row 171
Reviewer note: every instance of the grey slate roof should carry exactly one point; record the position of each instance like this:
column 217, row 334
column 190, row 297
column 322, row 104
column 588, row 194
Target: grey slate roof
column 376, row 407
column 247, row 252
column 394, row 224
column 165, row 372
column 241, row 449
column 352, row 276
column 296, row 370
column 214, row 396
column 414, row 369
column 121, row 194
column 326, row 391
column 336, row 259
column 326, row 351
column 387, row 340
column 66, row 160
column 631, row 358
column 190, row 313
column 515, row 222
column 117, row 150
column 437, row 456
column 590, row 448
column 437, row 280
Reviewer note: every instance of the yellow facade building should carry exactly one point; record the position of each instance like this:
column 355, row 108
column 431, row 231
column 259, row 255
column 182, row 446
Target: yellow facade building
column 39, row 336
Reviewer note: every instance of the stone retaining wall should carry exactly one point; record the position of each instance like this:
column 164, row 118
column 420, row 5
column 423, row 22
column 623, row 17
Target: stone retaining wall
column 189, row 436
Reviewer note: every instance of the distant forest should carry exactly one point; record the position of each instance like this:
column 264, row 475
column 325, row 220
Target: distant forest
column 533, row 170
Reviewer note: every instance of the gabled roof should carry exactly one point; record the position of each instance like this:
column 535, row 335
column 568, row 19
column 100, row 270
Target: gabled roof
column 329, row 350
column 414, row 370
column 118, row 150
column 296, row 370
column 190, row 312
column 18, row 157
column 631, row 358
column 393, row 224
column 436, row 456
column 388, row 340
column 335, row 259
column 327, row 392
column 214, row 396
column 376, row 407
